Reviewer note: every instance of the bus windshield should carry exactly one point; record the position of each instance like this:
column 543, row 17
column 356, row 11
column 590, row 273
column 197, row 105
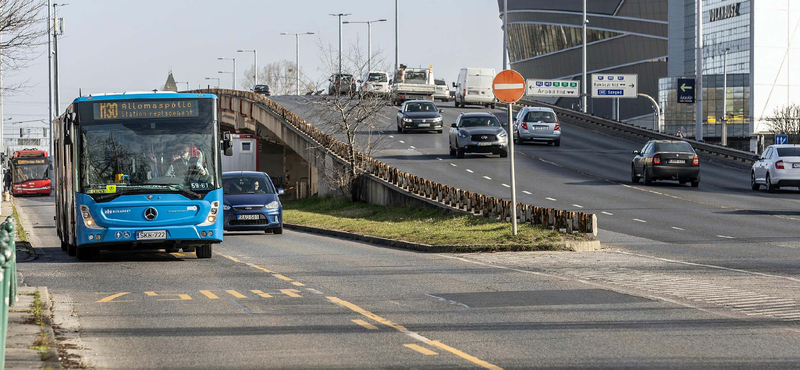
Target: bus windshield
column 150, row 155
column 30, row 172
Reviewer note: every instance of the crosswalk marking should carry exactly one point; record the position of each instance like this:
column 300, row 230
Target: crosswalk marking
column 235, row 293
column 208, row 294
column 261, row 294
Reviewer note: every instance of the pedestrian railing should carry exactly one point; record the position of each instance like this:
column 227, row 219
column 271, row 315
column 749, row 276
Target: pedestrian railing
column 8, row 284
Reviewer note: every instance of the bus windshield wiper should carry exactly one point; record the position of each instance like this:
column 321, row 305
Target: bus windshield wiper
column 185, row 191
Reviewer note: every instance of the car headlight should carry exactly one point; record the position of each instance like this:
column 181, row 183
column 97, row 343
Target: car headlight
column 226, row 207
column 407, row 119
column 272, row 205
column 437, row 119
column 462, row 134
column 502, row 135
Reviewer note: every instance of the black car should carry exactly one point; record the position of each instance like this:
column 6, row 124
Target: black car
column 262, row 89
column 420, row 115
column 666, row 160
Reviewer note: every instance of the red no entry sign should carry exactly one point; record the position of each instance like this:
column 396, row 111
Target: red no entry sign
column 508, row 86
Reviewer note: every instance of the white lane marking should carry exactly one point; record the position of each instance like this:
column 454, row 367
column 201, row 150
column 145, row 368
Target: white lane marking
column 725, row 237
column 607, row 213
column 391, row 136
column 508, row 86
column 527, row 192
column 577, row 205
column 447, row 300
column 312, row 290
column 487, row 177
column 453, row 164
column 470, row 171
column 439, row 158
column 411, row 147
column 552, row 163
column 638, row 220
column 551, row 199
column 506, row 185
column 678, row 228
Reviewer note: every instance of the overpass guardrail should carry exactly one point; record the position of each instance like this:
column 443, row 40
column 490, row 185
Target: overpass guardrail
column 717, row 150
column 8, row 284
column 445, row 195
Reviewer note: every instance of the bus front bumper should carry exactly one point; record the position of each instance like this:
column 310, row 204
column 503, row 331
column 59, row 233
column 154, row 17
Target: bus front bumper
column 142, row 237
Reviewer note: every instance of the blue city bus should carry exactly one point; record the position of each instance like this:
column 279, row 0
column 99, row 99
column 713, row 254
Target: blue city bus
column 139, row 171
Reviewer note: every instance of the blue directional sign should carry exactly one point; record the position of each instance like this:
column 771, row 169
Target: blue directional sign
column 781, row 139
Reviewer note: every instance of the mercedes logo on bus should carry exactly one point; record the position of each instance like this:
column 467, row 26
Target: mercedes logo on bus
column 150, row 214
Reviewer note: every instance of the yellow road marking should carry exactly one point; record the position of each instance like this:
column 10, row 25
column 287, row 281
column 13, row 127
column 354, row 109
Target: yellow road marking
column 402, row 329
column 181, row 297
column 421, row 350
column 262, row 294
column 470, row 358
column 112, row 297
column 261, row 268
column 236, row 294
column 365, row 324
column 298, row 283
column 291, row 293
column 160, row 254
column 208, row 294
column 177, row 254
column 279, row 276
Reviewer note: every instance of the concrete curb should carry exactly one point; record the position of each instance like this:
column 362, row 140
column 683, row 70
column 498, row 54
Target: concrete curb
column 51, row 357
column 575, row 246
column 23, row 333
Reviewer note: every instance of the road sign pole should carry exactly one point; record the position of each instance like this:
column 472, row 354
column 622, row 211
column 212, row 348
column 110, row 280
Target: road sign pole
column 513, row 174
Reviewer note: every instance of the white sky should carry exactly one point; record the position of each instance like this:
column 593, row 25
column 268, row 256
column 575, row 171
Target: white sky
column 116, row 45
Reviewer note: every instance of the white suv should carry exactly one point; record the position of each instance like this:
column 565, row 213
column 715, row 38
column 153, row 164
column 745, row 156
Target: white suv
column 778, row 166
column 375, row 82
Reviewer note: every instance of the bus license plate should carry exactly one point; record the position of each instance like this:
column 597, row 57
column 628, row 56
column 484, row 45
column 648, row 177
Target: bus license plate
column 247, row 217
column 151, row 235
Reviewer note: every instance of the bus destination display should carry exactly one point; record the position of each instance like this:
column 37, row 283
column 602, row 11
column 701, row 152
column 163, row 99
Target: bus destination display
column 31, row 161
column 146, row 109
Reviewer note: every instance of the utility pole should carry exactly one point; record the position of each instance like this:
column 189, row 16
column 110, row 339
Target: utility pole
column 50, row 117
column 725, row 98
column 698, row 72
column 505, row 34
column 396, row 36
column 584, row 82
column 255, row 63
column 340, row 15
column 58, row 29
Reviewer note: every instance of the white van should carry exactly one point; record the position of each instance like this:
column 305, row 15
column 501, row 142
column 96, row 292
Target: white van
column 375, row 82
column 474, row 86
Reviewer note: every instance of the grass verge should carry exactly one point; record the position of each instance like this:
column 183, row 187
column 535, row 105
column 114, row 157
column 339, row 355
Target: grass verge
column 460, row 233
column 21, row 235
column 41, row 343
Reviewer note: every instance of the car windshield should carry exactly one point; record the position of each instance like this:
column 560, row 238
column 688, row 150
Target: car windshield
column 346, row 77
column 440, row 82
column 483, row 121
column 236, row 185
column 144, row 154
column 30, row 172
column 789, row 152
column 416, row 77
column 377, row 77
column 539, row 116
column 420, row 107
column 674, row 147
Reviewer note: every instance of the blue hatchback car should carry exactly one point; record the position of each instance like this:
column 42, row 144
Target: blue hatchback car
column 250, row 202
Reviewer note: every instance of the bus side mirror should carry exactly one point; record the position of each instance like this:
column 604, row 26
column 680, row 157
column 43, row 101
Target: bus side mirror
column 69, row 118
column 227, row 144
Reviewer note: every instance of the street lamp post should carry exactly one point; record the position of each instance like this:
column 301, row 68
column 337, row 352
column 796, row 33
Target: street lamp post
column 255, row 63
column 584, row 82
column 340, row 15
column 698, row 71
column 297, row 57
column 656, row 110
column 234, row 69
column 369, row 39
column 213, row 78
column 396, row 36
column 725, row 97
column 233, row 73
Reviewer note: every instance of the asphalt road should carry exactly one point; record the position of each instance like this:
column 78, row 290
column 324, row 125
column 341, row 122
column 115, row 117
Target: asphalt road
column 723, row 222
column 304, row 301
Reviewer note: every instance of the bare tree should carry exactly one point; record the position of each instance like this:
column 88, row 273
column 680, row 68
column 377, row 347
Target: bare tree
column 23, row 27
column 785, row 120
column 350, row 113
column 280, row 77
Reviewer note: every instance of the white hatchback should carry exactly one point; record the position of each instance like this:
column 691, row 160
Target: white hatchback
column 777, row 167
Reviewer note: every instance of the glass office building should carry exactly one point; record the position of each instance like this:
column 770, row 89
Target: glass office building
column 623, row 36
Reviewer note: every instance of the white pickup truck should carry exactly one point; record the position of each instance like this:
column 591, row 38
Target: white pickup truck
column 412, row 84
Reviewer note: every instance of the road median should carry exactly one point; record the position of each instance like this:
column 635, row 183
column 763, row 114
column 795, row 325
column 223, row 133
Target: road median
column 427, row 230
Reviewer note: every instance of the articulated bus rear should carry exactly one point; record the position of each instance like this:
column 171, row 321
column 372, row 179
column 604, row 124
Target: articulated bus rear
column 141, row 171
column 30, row 172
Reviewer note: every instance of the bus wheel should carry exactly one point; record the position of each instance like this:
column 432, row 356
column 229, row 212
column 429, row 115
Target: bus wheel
column 204, row 251
column 71, row 249
column 64, row 246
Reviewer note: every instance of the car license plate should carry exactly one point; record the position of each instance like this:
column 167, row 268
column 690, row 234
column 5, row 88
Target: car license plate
column 541, row 127
column 424, row 125
column 247, row 217
column 795, row 165
column 484, row 144
column 151, row 235
column 677, row 161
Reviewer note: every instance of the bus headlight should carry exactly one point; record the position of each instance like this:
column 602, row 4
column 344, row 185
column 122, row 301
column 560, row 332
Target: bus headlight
column 211, row 217
column 88, row 221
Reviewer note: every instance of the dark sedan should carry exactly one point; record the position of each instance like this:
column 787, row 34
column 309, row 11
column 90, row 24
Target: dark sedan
column 250, row 202
column 666, row 160
column 420, row 115
column 262, row 89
